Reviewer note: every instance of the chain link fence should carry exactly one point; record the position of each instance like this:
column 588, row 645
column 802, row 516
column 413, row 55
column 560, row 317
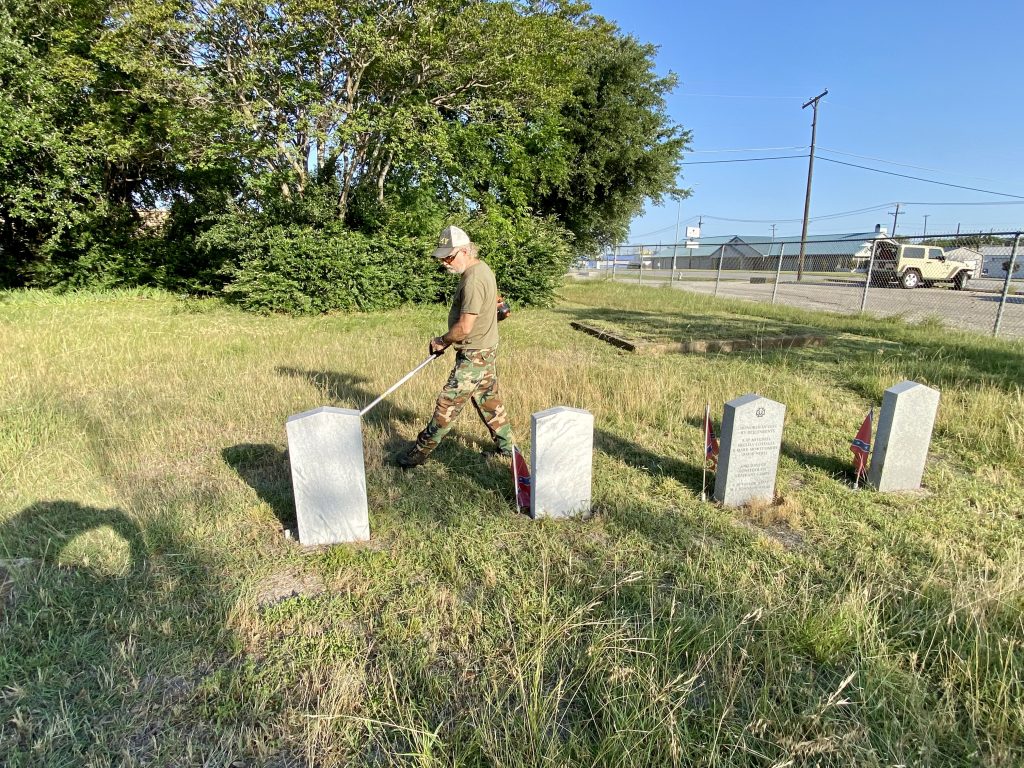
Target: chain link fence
column 974, row 282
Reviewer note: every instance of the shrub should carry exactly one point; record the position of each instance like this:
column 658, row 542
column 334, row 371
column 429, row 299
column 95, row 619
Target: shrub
column 302, row 269
column 313, row 266
column 529, row 254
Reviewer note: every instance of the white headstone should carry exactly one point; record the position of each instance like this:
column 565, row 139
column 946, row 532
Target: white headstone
column 561, row 462
column 748, row 457
column 903, row 436
column 325, row 447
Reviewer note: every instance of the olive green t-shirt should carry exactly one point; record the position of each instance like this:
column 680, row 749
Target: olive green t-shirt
column 477, row 295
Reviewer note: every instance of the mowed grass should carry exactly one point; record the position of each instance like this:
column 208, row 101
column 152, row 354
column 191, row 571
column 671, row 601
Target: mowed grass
column 154, row 614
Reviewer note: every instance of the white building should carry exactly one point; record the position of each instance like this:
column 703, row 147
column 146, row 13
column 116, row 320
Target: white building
column 997, row 259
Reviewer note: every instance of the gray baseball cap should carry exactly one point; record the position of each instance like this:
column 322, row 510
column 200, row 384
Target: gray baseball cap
column 451, row 238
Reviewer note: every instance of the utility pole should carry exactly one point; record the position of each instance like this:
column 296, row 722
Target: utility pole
column 895, row 216
column 810, row 175
column 675, row 243
column 925, row 233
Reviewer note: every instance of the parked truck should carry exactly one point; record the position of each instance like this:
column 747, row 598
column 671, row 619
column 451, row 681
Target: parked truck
column 911, row 266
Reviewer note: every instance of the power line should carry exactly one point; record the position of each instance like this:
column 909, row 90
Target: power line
column 918, row 178
column 838, row 215
column 988, row 202
column 750, row 149
column 827, row 216
column 659, row 231
column 733, row 96
column 743, row 160
column 904, row 165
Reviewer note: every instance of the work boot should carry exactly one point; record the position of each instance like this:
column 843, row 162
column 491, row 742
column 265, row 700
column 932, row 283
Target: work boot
column 412, row 458
column 495, row 451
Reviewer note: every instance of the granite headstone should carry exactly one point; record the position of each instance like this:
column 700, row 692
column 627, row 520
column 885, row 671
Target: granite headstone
column 748, row 456
column 561, row 461
column 325, row 447
column 903, row 436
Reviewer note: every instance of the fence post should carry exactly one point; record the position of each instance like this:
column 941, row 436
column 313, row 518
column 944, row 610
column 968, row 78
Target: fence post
column 1006, row 285
column 778, row 272
column 615, row 259
column 675, row 249
column 640, row 279
column 721, row 258
column 867, row 278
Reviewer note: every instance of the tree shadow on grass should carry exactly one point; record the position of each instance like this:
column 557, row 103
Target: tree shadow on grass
column 103, row 644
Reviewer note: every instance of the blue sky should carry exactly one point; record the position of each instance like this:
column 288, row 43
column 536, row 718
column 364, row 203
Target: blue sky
column 939, row 90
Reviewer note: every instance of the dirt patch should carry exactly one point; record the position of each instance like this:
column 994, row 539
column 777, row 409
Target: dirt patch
column 778, row 520
column 780, row 533
column 277, row 587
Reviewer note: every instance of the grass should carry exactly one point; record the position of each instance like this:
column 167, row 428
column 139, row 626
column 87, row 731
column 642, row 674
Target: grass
column 155, row 615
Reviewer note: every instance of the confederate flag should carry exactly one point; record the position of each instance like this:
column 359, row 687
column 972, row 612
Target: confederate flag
column 521, row 480
column 861, row 444
column 710, row 443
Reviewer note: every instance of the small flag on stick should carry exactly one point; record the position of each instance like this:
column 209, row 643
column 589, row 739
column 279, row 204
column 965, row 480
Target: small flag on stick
column 710, row 441
column 710, row 451
column 861, row 446
column 521, row 485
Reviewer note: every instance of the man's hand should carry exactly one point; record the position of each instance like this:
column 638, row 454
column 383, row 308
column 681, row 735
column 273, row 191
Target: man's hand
column 437, row 345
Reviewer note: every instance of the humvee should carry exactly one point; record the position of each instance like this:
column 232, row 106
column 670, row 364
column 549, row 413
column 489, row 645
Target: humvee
column 915, row 265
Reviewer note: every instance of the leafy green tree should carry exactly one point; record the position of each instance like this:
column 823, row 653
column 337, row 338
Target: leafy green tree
column 370, row 92
column 97, row 106
column 297, row 140
column 620, row 144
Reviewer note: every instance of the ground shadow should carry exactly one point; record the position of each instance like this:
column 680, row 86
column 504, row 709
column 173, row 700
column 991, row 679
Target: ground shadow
column 150, row 619
column 680, row 327
column 998, row 297
column 636, row 455
column 836, row 469
column 266, row 470
column 347, row 390
column 41, row 531
column 458, row 451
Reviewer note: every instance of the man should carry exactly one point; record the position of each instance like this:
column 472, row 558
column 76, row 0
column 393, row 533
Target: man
column 473, row 331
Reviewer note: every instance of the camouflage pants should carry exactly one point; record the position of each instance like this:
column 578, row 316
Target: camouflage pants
column 473, row 377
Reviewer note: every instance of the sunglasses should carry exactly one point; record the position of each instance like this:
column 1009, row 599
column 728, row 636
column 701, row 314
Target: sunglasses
column 450, row 259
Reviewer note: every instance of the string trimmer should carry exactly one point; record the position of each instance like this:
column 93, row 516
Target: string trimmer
column 521, row 485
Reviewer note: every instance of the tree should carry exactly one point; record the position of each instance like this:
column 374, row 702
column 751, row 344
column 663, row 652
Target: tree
column 364, row 92
column 269, row 128
column 622, row 147
column 97, row 109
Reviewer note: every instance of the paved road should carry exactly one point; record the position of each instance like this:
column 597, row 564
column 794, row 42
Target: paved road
column 973, row 310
